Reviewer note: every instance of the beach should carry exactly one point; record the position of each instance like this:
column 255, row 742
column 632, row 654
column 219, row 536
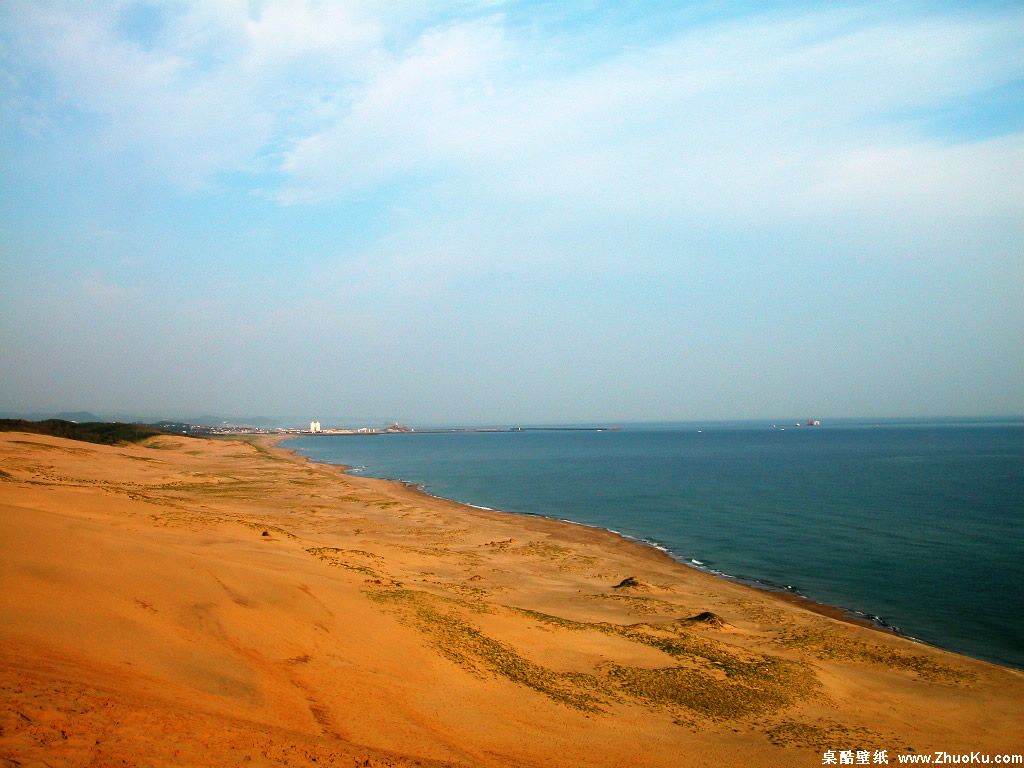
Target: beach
column 204, row 602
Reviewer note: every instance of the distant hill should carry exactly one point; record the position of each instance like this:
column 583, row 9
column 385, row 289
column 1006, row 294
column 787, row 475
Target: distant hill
column 212, row 420
column 102, row 432
column 139, row 417
column 77, row 416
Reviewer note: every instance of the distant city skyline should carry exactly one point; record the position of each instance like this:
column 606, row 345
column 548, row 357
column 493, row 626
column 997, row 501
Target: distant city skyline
column 512, row 212
column 380, row 424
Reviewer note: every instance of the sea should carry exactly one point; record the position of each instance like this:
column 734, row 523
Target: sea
column 914, row 525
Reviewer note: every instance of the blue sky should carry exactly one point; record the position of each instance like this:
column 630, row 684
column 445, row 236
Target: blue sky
column 509, row 212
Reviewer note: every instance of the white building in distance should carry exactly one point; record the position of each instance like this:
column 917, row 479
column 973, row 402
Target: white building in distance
column 314, row 427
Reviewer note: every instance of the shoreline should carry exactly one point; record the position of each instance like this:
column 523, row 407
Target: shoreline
column 223, row 602
column 791, row 597
column 845, row 614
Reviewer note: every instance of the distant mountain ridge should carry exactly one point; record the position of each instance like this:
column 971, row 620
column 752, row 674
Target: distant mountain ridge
column 83, row 417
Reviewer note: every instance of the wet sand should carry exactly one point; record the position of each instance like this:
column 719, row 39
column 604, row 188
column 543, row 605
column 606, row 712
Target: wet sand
column 214, row 602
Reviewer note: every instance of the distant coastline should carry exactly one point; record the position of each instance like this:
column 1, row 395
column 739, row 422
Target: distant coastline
column 790, row 596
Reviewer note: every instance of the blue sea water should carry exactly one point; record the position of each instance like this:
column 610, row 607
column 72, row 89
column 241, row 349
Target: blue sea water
column 918, row 525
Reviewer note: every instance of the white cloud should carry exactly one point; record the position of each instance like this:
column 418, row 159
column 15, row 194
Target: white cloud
column 419, row 112
column 214, row 92
column 754, row 118
column 978, row 179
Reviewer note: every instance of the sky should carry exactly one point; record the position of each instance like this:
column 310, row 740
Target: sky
column 511, row 212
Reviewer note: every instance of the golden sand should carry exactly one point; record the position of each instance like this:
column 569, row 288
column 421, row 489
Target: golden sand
column 209, row 602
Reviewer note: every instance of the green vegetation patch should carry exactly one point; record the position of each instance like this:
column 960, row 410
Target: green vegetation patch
column 826, row 644
column 240, row 489
column 341, row 558
column 638, row 605
column 258, row 526
column 711, row 679
column 551, row 551
column 268, row 454
column 101, row 432
column 471, row 649
column 819, row 736
column 716, row 680
column 695, row 690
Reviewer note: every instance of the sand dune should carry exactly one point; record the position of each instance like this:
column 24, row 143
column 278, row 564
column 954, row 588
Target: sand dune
column 205, row 603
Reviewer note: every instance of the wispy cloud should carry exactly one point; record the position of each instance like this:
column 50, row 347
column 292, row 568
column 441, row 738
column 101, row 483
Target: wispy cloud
column 752, row 119
column 760, row 113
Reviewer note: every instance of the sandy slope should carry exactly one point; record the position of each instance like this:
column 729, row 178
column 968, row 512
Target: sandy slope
column 145, row 619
